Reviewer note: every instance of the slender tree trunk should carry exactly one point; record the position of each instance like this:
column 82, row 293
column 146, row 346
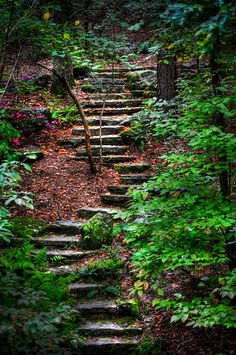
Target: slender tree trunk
column 219, row 117
column 3, row 61
column 67, row 86
column 85, row 125
column 166, row 78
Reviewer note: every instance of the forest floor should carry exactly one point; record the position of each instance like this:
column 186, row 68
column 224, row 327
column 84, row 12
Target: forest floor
column 62, row 185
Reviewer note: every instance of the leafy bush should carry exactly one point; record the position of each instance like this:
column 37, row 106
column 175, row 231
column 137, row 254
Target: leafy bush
column 36, row 315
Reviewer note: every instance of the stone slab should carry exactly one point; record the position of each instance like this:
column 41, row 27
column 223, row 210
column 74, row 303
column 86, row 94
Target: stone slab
column 66, row 227
column 90, row 212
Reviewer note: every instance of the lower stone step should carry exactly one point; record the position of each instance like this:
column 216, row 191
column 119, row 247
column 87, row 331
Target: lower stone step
column 108, row 121
column 90, row 212
column 116, row 200
column 119, row 189
column 57, row 241
column 97, row 307
column 110, row 345
column 111, row 159
column 62, row 270
column 106, row 150
column 121, row 103
column 134, row 179
column 132, row 168
column 112, row 111
column 75, row 142
column 83, row 289
column 64, row 256
column 112, row 96
column 95, row 328
column 95, row 130
column 65, row 227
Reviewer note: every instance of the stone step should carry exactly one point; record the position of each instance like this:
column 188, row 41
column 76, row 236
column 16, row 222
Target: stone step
column 132, row 168
column 63, row 256
column 112, row 111
column 119, row 189
column 62, row 270
column 105, row 307
column 106, row 150
column 95, row 130
column 83, row 289
column 108, row 121
column 57, row 241
column 65, row 227
column 110, row 159
column 112, row 96
column 134, row 179
column 89, row 212
column 95, row 328
column 98, row 81
column 112, row 74
column 115, row 200
column 125, row 70
column 111, row 345
column 75, row 142
column 112, row 103
column 104, row 88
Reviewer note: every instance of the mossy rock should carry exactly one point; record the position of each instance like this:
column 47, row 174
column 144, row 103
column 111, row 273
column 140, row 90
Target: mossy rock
column 97, row 231
column 88, row 88
column 141, row 80
column 27, row 227
column 103, row 269
column 130, row 307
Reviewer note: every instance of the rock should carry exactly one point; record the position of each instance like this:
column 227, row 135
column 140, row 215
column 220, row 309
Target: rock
column 29, row 121
column 97, row 231
column 141, row 80
column 63, row 66
column 31, row 153
column 41, row 80
column 81, row 72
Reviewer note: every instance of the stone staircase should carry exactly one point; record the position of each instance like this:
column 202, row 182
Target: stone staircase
column 106, row 326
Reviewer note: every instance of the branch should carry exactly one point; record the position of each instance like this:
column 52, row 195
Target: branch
column 83, row 118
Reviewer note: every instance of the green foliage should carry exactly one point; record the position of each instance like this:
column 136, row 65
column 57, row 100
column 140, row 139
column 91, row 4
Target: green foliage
column 35, row 307
column 102, row 268
column 27, row 227
column 31, row 321
column 7, row 133
column 9, row 184
column 183, row 218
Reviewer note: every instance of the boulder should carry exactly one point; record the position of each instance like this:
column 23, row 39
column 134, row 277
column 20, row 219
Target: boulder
column 97, row 231
column 41, row 80
column 62, row 66
column 141, row 80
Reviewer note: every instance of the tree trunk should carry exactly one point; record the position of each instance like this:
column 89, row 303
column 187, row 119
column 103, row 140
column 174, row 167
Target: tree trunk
column 166, row 78
column 69, row 90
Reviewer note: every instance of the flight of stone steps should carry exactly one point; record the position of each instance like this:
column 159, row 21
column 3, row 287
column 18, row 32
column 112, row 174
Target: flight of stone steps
column 119, row 107
column 106, row 326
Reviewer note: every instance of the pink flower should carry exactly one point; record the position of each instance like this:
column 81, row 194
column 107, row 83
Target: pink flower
column 16, row 141
column 12, row 115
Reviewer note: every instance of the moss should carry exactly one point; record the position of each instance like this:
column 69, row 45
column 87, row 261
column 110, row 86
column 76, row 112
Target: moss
column 150, row 346
column 97, row 231
column 88, row 88
column 103, row 268
column 23, row 227
column 130, row 306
